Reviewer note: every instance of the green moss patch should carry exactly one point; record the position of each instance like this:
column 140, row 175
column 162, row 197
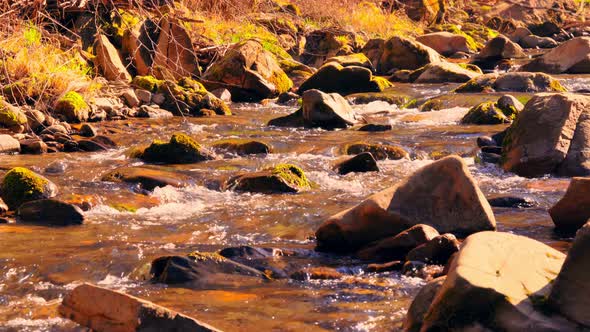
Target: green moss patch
column 21, row 185
column 181, row 149
column 292, row 175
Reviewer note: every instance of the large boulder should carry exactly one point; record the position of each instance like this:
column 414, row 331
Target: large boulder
column 327, row 110
column 443, row 195
column 108, row 60
column 21, row 185
column 549, row 136
column 499, row 282
column 50, row 212
column 445, row 43
column 421, row 303
column 403, row 53
column 282, row 178
column 443, row 72
column 333, row 77
column 175, row 57
column 500, row 48
column 573, row 56
column 570, row 294
column 181, row 149
column 105, row 310
column 250, row 72
column 139, row 46
column 517, row 82
column 573, row 210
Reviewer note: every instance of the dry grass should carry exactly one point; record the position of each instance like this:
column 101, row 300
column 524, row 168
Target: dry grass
column 34, row 69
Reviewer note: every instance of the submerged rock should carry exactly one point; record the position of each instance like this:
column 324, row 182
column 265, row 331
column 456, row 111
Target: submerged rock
column 250, row 72
column 497, row 282
column 148, row 178
column 103, row 310
column 572, row 56
column 510, row 202
column 403, row 53
column 316, row 273
column 21, row 185
column 573, row 210
column 333, row 77
column 397, row 247
column 363, row 162
column 549, row 136
column 517, row 82
column 181, row 149
column 379, row 151
column 443, row 195
column 283, row 178
column 242, row 147
column 50, row 212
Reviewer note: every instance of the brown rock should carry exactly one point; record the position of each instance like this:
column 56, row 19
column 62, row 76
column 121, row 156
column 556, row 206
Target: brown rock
column 403, row 53
column 436, row 251
column 573, row 210
column 444, row 42
column 570, row 293
column 443, row 195
column 108, row 60
column 398, row 246
column 316, row 273
column 385, row 267
column 501, row 48
column 104, row 310
column 175, row 57
column 421, row 303
column 573, row 56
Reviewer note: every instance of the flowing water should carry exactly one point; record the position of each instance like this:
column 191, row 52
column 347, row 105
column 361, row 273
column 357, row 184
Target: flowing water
column 38, row 265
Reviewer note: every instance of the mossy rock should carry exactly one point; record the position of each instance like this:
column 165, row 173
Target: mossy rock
column 11, row 116
column 487, row 113
column 282, row 178
column 148, row 83
column 21, row 185
column 476, row 34
column 242, row 147
column 181, row 149
column 119, row 22
column 379, row 151
column 189, row 97
column 432, row 105
column 512, row 82
column 72, row 107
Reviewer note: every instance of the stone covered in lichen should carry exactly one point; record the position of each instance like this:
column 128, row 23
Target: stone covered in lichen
column 379, row 151
column 148, row 83
column 181, row 149
column 21, row 185
column 487, row 113
column 282, row 178
column 10, row 116
column 513, row 81
column 72, row 107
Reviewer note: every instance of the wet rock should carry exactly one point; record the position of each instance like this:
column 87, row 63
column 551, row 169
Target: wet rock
column 443, row 195
column 419, row 269
column 21, row 185
column 385, row 267
column 573, row 210
column 563, row 120
column 516, row 82
column 288, row 98
column 242, row 147
column 421, row 304
column 267, row 260
column 102, row 310
column 181, row 149
column 316, row 273
column 198, row 268
column 9, row 144
column 492, row 158
column 283, row 178
column 510, row 202
column 532, row 41
column 10, row 116
column 130, row 98
column 72, row 107
column 91, row 146
column 327, row 110
column 403, row 53
column 569, row 294
column 105, row 141
column 363, row 162
column 375, row 127
column 108, row 60
column 333, row 77
column 500, row 48
column 510, row 105
column 175, row 56
column 50, row 212
column 56, row 167
column 379, row 151
column 485, row 141
column 572, row 56
column 443, row 72
column 152, row 112
column 31, row 146
column 397, row 247
column 492, row 149
column 487, row 113
column 495, row 281
column 250, row 72
column 436, row 251
column 294, row 119
column 444, row 42
column 148, row 177
column 87, row 130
